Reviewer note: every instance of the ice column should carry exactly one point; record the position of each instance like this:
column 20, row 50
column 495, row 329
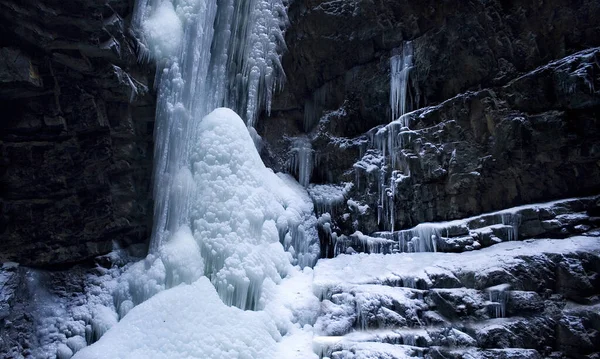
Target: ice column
column 302, row 159
column 386, row 139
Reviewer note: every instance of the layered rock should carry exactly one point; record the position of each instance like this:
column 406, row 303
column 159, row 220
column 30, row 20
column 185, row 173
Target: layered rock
column 513, row 300
column 525, row 130
column 76, row 137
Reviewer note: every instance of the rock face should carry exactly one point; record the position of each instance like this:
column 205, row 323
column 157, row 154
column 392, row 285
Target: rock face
column 503, row 111
column 507, row 98
column 76, row 131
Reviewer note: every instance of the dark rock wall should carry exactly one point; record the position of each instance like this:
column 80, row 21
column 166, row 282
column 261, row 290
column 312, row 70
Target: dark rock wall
column 75, row 131
column 459, row 46
column 501, row 124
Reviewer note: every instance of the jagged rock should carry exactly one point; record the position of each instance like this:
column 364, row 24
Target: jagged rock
column 18, row 75
column 579, row 330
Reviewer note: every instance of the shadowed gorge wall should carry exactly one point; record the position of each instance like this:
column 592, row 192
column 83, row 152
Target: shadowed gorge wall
column 76, row 131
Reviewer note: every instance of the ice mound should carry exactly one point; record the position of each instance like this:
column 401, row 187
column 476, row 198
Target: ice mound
column 189, row 321
column 243, row 211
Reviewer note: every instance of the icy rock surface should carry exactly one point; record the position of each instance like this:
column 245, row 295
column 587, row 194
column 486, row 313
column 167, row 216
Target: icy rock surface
column 479, row 304
column 556, row 219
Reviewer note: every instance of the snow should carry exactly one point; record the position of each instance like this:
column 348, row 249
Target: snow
column 164, row 31
column 327, row 197
column 357, row 207
column 414, row 269
column 188, row 321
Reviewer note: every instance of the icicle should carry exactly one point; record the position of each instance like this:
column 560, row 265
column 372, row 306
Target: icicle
column 498, row 296
column 401, row 64
column 388, row 140
column 302, row 160
column 513, row 220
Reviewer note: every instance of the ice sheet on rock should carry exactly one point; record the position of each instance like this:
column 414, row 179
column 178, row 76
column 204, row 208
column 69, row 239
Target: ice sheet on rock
column 172, row 324
column 327, row 197
column 416, row 270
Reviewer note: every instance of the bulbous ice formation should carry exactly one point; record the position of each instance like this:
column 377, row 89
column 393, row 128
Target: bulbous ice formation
column 244, row 218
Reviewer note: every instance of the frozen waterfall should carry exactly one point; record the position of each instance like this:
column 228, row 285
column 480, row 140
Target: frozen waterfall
column 210, row 54
column 228, row 270
column 387, row 139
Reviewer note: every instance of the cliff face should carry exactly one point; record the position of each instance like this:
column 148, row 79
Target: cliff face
column 507, row 92
column 501, row 125
column 76, row 131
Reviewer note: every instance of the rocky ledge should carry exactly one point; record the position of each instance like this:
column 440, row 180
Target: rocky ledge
column 534, row 299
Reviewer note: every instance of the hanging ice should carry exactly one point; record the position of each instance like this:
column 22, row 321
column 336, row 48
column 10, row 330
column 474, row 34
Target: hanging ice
column 387, row 141
column 302, row 159
column 400, row 66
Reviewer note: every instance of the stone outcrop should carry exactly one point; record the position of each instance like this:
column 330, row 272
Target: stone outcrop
column 76, row 131
column 344, row 46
